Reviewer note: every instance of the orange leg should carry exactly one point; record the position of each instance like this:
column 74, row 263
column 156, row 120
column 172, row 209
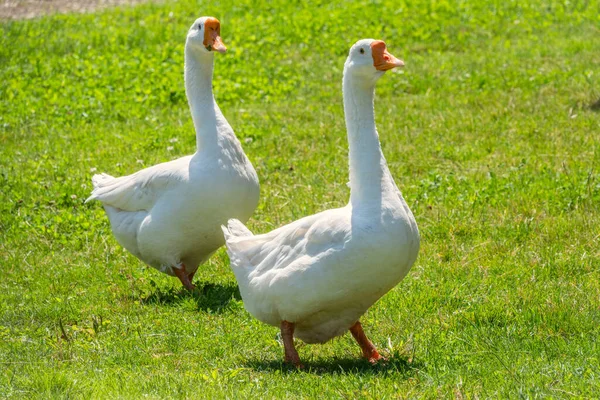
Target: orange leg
column 191, row 276
column 183, row 277
column 287, row 334
column 368, row 349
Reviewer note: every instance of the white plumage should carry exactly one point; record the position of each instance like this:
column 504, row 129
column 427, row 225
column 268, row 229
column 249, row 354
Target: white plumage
column 317, row 276
column 169, row 215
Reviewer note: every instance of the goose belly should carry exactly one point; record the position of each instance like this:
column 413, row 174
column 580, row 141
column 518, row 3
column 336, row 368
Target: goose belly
column 186, row 228
column 328, row 325
column 327, row 295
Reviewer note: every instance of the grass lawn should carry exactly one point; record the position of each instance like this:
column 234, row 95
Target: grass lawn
column 488, row 132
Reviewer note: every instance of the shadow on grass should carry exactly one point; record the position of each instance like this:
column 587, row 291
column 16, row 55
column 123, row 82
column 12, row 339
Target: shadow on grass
column 595, row 106
column 208, row 296
column 341, row 366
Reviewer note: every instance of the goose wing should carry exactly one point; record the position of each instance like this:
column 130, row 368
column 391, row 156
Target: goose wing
column 141, row 190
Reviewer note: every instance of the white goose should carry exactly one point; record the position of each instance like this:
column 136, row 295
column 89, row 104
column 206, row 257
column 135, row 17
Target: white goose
column 169, row 215
column 317, row 276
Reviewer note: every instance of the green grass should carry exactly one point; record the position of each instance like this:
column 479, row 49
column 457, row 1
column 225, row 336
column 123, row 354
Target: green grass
column 488, row 133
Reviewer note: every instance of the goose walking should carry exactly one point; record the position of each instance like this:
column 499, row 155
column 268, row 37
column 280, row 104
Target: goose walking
column 169, row 215
column 316, row 277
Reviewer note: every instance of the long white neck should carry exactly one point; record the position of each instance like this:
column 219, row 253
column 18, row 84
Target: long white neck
column 370, row 178
column 211, row 126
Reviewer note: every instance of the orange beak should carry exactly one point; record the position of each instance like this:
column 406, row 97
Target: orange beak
column 212, row 35
column 382, row 60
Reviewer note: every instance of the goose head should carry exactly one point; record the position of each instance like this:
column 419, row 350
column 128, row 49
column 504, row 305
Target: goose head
column 204, row 36
column 369, row 59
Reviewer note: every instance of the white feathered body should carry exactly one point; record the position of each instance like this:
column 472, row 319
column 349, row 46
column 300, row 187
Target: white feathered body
column 170, row 214
column 324, row 271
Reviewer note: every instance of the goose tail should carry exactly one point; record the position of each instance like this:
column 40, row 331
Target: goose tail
column 99, row 181
column 234, row 229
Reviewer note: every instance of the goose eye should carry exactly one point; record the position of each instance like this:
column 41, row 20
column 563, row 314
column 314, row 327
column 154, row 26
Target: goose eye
column 362, row 51
column 199, row 27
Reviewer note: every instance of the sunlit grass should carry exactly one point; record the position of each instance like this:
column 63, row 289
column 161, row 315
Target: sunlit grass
column 488, row 132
